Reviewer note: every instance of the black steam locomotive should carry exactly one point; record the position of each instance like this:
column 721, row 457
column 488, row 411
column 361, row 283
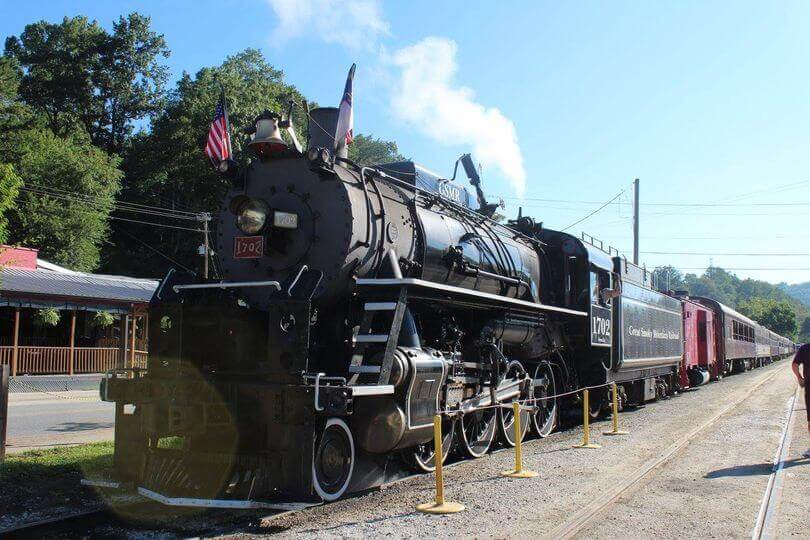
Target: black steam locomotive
column 358, row 302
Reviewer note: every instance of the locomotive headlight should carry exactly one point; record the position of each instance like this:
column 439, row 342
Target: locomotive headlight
column 251, row 216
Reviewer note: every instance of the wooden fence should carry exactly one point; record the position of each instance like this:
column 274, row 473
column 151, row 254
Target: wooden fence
column 54, row 360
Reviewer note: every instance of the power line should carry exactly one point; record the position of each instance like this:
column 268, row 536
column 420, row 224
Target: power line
column 117, row 204
column 769, row 237
column 721, row 202
column 115, row 208
column 710, row 254
column 741, row 269
column 594, row 212
column 156, row 224
column 156, row 251
column 86, row 196
column 623, row 203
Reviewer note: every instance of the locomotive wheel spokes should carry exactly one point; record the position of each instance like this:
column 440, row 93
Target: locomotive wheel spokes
column 477, row 432
column 423, row 456
column 506, row 416
column 545, row 419
column 333, row 462
column 506, row 424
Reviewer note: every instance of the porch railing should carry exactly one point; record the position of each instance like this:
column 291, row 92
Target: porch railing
column 33, row 360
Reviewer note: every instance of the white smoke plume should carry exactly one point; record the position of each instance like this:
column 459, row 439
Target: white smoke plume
column 352, row 23
column 423, row 91
column 427, row 98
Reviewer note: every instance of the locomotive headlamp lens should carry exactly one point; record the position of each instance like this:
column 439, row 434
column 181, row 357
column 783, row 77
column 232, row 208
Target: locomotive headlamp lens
column 251, row 216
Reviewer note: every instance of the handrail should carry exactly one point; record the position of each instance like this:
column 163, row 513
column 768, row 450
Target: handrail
column 228, row 285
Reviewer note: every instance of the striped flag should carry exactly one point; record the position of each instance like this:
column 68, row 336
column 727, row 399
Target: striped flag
column 345, row 123
column 218, row 146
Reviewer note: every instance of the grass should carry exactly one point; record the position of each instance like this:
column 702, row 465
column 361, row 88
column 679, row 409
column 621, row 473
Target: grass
column 38, row 479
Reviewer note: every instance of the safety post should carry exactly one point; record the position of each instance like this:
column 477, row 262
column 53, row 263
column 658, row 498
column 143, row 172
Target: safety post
column 518, row 471
column 615, row 430
column 586, row 421
column 439, row 506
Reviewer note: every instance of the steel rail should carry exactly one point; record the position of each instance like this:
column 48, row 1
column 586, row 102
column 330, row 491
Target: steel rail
column 583, row 517
column 770, row 498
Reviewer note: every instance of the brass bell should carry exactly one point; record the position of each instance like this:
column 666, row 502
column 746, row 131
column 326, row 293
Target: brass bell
column 267, row 139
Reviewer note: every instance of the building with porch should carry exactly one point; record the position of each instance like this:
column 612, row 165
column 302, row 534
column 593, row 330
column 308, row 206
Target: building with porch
column 55, row 320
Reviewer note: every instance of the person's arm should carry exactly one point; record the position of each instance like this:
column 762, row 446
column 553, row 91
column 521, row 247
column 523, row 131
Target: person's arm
column 796, row 371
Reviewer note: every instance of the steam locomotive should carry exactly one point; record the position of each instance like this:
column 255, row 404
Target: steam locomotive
column 358, row 302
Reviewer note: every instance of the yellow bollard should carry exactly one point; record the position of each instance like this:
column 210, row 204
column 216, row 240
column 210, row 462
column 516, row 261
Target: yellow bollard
column 615, row 430
column 518, row 472
column 586, row 421
column 439, row 506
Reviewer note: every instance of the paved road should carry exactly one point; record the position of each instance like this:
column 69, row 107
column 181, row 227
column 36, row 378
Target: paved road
column 39, row 420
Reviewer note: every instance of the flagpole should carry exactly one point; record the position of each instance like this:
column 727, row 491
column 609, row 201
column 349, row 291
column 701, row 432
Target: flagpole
column 227, row 119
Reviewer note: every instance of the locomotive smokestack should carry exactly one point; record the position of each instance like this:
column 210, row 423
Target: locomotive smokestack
column 322, row 126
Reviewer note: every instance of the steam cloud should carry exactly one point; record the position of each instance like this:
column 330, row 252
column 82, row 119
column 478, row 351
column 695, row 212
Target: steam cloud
column 353, row 23
column 423, row 92
column 427, row 98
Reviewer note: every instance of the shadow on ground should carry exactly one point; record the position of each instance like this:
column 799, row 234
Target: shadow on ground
column 67, row 427
column 757, row 469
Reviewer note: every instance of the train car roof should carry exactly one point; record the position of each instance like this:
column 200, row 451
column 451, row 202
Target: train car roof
column 737, row 315
column 724, row 308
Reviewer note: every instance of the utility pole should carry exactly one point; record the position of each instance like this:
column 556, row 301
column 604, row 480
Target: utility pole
column 205, row 217
column 635, row 222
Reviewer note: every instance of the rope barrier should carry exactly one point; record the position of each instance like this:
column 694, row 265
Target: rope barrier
column 439, row 506
column 518, row 471
column 442, row 506
column 586, row 423
column 615, row 430
column 533, row 400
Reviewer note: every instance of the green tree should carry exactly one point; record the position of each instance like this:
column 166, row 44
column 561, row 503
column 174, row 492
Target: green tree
column 804, row 331
column 167, row 167
column 776, row 316
column 668, row 278
column 78, row 75
column 9, row 189
column 67, row 231
column 13, row 118
column 368, row 150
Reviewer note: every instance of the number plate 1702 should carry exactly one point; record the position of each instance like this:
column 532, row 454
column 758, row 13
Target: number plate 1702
column 248, row 247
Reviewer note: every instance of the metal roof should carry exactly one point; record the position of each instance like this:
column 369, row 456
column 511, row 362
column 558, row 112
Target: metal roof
column 737, row 315
column 117, row 289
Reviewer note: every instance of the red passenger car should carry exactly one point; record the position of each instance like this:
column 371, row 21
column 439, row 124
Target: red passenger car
column 699, row 363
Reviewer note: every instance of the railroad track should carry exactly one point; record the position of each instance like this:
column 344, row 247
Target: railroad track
column 770, row 500
column 87, row 521
column 144, row 516
column 588, row 513
column 59, row 525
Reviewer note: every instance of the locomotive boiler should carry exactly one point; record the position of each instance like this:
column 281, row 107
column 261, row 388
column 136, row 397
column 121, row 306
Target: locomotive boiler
column 356, row 303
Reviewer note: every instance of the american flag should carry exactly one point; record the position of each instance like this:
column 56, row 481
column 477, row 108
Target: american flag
column 218, row 147
column 345, row 123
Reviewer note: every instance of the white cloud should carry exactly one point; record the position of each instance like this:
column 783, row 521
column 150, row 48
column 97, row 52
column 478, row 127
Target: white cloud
column 426, row 97
column 423, row 91
column 353, row 23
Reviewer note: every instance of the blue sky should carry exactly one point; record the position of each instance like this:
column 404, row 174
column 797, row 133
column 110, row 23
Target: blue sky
column 705, row 102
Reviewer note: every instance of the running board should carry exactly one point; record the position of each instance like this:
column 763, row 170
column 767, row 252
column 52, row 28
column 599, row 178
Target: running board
column 220, row 503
